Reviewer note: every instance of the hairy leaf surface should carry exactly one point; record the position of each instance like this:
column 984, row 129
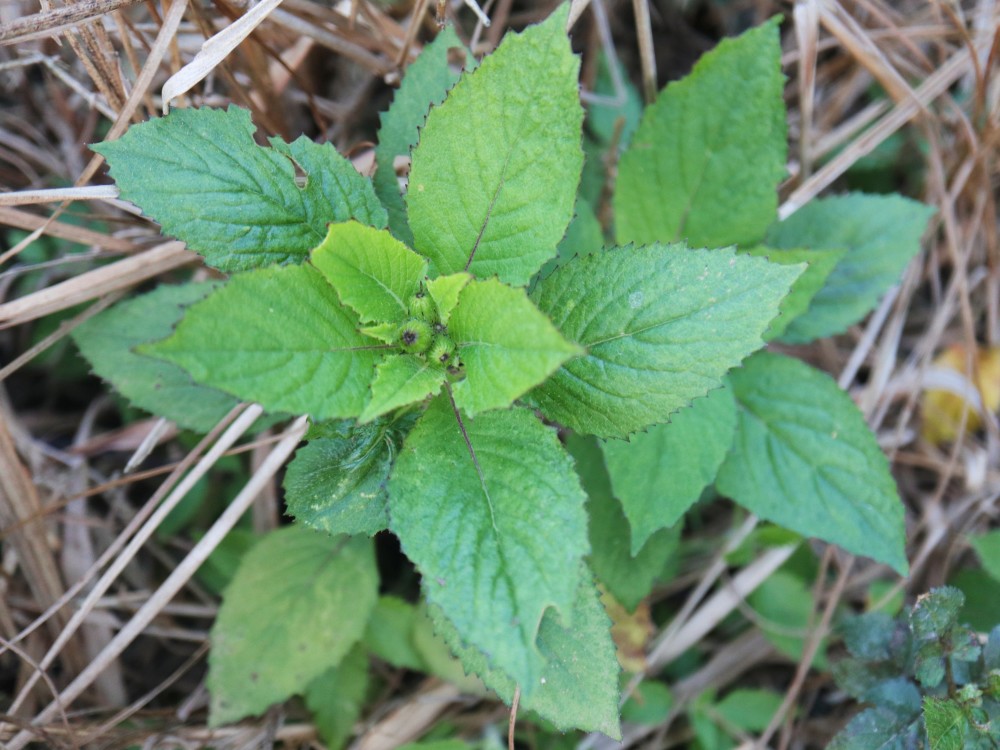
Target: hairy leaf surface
column 881, row 234
column 804, row 458
column 336, row 482
column 662, row 324
column 279, row 337
column 660, row 473
column 578, row 688
column 307, row 597
column 107, row 341
column 402, row 379
column 494, row 177
column 482, row 530
column 425, row 83
column 505, row 343
column 374, row 273
column 705, row 163
column 200, row 175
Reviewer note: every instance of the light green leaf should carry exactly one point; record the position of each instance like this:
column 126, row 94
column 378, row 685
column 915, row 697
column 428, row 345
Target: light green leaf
column 804, row 458
column 820, row 265
column 424, row 84
column 305, row 595
column 987, row 547
column 662, row 324
column 444, row 290
column 749, row 709
column 481, row 528
column 390, row 633
column 627, row 571
column 336, row 698
column 401, row 379
column 705, row 163
column 107, row 341
column 506, row 345
column 279, row 337
column 374, row 273
column 493, row 179
column 946, row 724
column 881, row 234
column 578, row 688
column 336, row 482
column 387, row 333
column 200, row 175
column 583, row 237
column 660, row 473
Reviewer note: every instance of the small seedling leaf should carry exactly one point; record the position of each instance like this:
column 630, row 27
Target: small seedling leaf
column 374, row 273
column 506, row 345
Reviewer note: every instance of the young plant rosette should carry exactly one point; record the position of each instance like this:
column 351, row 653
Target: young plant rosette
column 434, row 379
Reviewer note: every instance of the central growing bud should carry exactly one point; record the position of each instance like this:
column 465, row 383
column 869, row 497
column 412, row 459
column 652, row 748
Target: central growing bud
column 415, row 336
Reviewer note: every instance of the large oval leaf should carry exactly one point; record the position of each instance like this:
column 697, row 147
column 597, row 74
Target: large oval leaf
column 804, row 458
column 662, row 324
column 494, row 176
column 494, row 520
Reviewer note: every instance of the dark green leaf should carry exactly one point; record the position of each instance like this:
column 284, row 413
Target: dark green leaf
column 200, row 175
column 804, row 458
column 481, row 528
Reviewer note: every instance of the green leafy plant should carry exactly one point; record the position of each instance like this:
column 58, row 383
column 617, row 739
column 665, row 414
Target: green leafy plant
column 930, row 681
column 405, row 328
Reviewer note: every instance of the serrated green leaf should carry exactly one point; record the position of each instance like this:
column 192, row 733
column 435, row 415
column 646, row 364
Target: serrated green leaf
column 705, row 163
column 583, row 237
column 336, row 483
column 935, row 613
column 481, row 529
column 424, row 84
column 444, row 290
column 494, row 176
column 387, row 333
column 660, row 473
column 662, row 324
column 626, row 571
column 578, row 688
column 279, row 337
column 402, row 379
column 946, row 724
column 107, row 341
column 200, row 175
column 506, row 345
column 336, row 698
column 987, row 547
column 804, row 458
column 374, row 273
column 881, row 234
column 820, row 264
column 307, row 597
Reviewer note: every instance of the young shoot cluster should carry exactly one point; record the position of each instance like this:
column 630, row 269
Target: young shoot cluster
column 424, row 335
